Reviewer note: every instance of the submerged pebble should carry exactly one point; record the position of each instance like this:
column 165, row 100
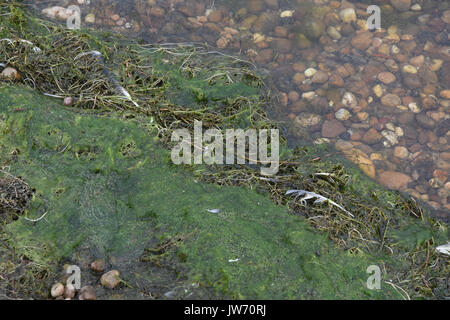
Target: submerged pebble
column 69, row 292
column 111, row 279
column 98, row 265
column 87, row 293
column 68, row 101
column 10, row 74
column 57, row 290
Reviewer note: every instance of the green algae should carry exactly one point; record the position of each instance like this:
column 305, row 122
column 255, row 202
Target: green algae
column 111, row 201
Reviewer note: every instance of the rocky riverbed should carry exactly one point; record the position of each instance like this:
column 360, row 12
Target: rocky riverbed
column 381, row 97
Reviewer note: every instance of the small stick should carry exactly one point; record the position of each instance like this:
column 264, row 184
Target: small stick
column 36, row 220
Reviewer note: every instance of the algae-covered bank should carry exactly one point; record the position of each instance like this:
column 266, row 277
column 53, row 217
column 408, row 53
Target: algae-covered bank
column 93, row 182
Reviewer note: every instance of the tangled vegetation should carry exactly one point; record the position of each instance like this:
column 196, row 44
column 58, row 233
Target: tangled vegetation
column 173, row 85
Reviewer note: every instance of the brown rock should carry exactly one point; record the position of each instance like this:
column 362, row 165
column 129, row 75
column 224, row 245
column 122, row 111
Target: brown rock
column 362, row 40
column 336, row 81
column 371, row 72
column 222, row 43
column 342, row 71
column 332, row 128
column 343, row 145
column 215, row 16
column 401, row 152
column 391, row 65
column 298, row 78
column 425, row 121
column 111, row 279
column 394, row 180
column 347, row 29
column 272, row 4
column 401, row 5
column 68, row 101
column 441, row 175
column 446, row 16
column 362, row 116
column 212, row 27
column 187, row 10
column 69, row 292
column 320, row 77
column 306, row 119
column 417, row 61
column 283, row 45
column 283, row 99
column 293, row 96
column 445, row 94
column 445, row 156
column 429, row 102
column 10, row 74
column 443, row 128
column 299, row 106
column 87, row 293
column 255, row 6
column 405, row 117
column 372, row 136
column 299, row 67
column 281, row 31
column 157, row 12
column 266, row 54
column 391, row 100
column 430, row 88
column 360, row 88
column 362, row 160
column 386, row 77
column 412, row 81
column 428, row 76
column 98, row 265
column 57, row 290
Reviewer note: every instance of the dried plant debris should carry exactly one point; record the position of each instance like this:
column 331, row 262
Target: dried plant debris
column 15, row 196
column 306, row 195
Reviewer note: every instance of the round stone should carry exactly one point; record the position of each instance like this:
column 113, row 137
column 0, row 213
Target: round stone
column 307, row 119
column 111, row 279
column 57, row 290
column 342, row 114
column 409, row 69
column 386, row 77
column 401, row 152
column 90, row 18
column 310, row 72
column 10, row 74
column 348, row 15
column 391, row 100
column 320, row 77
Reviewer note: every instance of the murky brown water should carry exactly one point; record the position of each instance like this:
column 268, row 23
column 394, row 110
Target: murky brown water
column 381, row 97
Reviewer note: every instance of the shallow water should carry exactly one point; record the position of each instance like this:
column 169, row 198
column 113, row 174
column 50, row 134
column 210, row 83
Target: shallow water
column 384, row 92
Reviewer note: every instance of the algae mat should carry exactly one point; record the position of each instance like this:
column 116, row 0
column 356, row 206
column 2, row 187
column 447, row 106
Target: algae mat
column 107, row 186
